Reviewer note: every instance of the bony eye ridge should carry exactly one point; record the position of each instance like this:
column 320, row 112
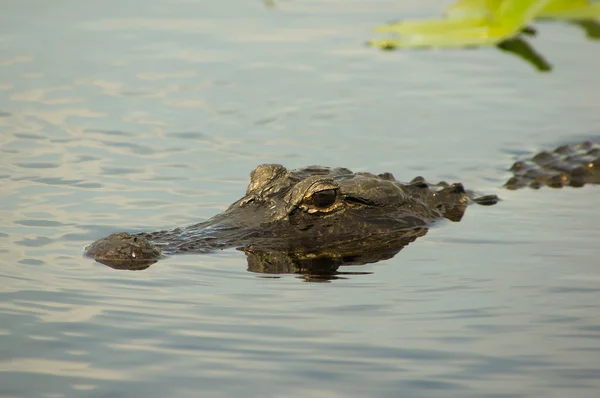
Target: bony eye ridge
column 325, row 198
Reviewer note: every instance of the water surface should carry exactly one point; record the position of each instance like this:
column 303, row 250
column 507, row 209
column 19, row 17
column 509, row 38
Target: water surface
column 140, row 115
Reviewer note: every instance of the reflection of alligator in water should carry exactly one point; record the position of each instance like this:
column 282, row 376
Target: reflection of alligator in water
column 319, row 265
column 313, row 220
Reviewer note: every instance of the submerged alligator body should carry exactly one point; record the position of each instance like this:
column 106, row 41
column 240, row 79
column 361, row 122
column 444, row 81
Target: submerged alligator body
column 317, row 218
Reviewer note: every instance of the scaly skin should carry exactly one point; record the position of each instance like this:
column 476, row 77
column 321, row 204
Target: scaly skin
column 567, row 165
column 319, row 218
column 304, row 211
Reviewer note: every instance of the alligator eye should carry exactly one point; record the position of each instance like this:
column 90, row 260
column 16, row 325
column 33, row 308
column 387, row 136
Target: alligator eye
column 324, row 199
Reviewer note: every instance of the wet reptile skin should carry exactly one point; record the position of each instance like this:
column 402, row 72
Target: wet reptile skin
column 567, row 165
column 292, row 218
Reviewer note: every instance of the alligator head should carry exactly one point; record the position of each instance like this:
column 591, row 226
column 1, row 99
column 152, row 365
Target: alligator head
column 311, row 211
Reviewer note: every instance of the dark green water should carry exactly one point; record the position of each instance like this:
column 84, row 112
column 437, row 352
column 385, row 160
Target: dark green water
column 141, row 115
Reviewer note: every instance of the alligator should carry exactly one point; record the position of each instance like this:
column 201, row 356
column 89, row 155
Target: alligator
column 314, row 219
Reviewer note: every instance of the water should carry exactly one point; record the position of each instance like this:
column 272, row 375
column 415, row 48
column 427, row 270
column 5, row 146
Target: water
column 142, row 115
